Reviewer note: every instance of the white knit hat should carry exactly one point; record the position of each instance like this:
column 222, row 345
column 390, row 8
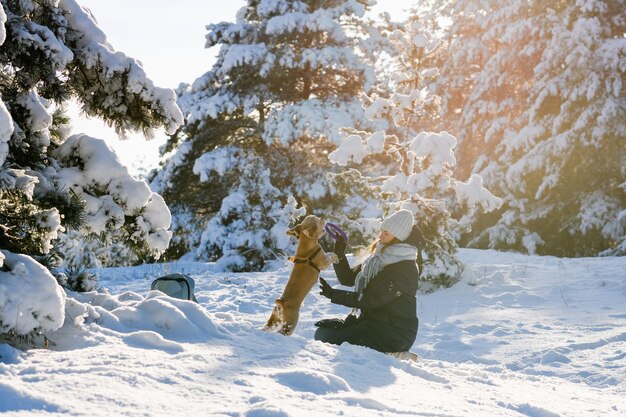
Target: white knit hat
column 399, row 224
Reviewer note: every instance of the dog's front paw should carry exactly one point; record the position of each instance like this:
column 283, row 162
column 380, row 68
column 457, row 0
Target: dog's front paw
column 332, row 258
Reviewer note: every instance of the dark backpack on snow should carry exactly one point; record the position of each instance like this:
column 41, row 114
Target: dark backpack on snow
column 175, row 285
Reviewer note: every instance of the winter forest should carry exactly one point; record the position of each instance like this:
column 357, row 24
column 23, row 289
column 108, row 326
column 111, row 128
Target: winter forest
column 500, row 125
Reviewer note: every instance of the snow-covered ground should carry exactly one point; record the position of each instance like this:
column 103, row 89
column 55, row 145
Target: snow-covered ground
column 519, row 336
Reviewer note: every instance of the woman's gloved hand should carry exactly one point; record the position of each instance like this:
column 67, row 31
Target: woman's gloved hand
column 325, row 289
column 340, row 247
column 344, row 298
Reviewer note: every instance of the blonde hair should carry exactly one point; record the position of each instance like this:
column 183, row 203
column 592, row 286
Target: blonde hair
column 377, row 241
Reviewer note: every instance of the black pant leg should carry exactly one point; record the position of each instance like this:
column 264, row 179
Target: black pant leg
column 366, row 333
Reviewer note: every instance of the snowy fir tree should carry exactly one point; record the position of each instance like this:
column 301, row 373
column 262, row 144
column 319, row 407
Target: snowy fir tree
column 535, row 93
column 243, row 245
column 400, row 166
column 82, row 250
column 50, row 184
column 260, row 125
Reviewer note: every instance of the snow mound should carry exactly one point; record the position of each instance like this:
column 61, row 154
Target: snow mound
column 151, row 340
column 30, row 298
column 153, row 321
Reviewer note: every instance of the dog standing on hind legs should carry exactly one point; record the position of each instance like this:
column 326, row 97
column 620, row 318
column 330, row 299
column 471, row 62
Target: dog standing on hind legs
column 308, row 261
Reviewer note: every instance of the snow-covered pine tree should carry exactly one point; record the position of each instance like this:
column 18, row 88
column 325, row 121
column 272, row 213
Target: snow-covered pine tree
column 543, row 120
column 400, row 166
column 52, row 51
column 285, row 81
column 82, row 251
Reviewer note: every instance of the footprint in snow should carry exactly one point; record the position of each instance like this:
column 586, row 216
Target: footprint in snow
column 311, row 381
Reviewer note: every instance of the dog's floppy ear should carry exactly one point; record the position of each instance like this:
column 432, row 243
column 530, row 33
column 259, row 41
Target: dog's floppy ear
column 295, row 231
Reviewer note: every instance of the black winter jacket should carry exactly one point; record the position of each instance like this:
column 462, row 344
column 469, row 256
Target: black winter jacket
column 388, row 298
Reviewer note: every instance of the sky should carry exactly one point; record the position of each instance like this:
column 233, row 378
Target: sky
column 167, row 37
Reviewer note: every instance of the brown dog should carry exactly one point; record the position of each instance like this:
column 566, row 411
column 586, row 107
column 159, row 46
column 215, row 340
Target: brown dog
column 309, row 260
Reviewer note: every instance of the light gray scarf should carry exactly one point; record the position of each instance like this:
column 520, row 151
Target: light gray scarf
column 375, row 263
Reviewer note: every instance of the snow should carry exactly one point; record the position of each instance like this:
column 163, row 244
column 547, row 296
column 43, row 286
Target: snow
column 6, row 130
column 94, row 49
column 39, row 120
column 101, row 167
column 375, row 143
column 241, row 223
column 3, row 19
column 474, row 193
column 518, row 336
column 352, row 148
column 437, row 147
column 30, row 298
column 378, row 109
column 124, row 196
column 321, row 20
column 239, row 55
column 266, row 8
column 312, row 118
column 6, row 123
column 50, row 222
column 420, row 40
column 40, row 37
column 218, row 161
column 19, row 179
column 399, row 182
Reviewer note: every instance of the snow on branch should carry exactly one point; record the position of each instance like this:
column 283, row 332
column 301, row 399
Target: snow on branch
column 91, row 170
column 473, row 193
column 233, row 56
column 267, row 8
column 319, row 21
column 6, row 130
column 3, row 19
column 312, row 118
column 6, row 122
column 437, row 147
column 113, row 80
column 218, row 161
column 34, row 36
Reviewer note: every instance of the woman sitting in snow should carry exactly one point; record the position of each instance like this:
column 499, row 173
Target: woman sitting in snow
column 386, row 285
